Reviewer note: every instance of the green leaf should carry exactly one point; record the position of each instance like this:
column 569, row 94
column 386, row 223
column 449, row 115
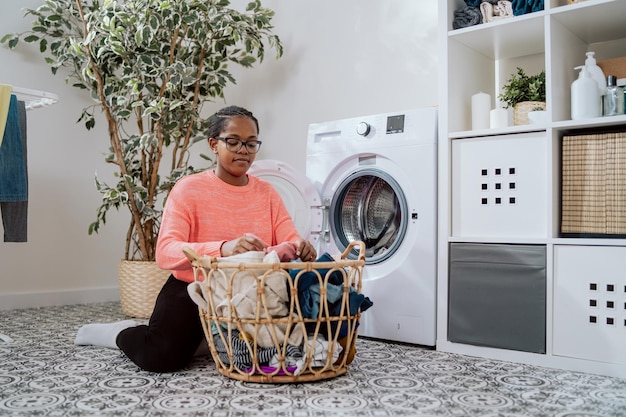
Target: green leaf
column 154, row 22
column 146, row 59
column 7, row 37
column 31, row 38
column 90, row 37
column 123, row 114
column 118, row 48
column 247, row 61
column 139, row 36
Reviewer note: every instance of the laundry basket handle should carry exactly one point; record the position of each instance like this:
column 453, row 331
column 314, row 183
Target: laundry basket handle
column 361, row 253
column 190, row 254
column 194, row 257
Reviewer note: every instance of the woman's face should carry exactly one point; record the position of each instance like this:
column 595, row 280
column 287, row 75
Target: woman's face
column 232, row 166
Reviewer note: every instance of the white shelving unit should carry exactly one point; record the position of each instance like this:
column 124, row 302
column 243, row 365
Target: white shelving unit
column 481, row 58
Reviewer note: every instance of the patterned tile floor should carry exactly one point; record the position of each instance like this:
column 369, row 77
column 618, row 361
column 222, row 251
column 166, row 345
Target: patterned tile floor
column 42, row 373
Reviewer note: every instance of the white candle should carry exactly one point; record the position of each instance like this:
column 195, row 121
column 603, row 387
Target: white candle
column 481, row 106
column 498, row 118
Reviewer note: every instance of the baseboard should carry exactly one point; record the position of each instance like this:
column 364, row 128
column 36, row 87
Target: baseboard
column 13, row 301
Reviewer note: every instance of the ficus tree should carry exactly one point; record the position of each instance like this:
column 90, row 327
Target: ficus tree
column 150, row 66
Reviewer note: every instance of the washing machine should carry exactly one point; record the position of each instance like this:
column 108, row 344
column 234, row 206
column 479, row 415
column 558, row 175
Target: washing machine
column 374, row 179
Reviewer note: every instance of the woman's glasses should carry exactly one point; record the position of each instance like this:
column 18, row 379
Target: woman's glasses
column 234, row 145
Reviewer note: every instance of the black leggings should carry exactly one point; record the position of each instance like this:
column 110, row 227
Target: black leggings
column 172, row 336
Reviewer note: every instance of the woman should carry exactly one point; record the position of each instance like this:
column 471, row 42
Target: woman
column 217, row 213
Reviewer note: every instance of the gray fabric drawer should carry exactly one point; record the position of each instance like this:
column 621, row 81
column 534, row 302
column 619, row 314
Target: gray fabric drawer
column 497, row 296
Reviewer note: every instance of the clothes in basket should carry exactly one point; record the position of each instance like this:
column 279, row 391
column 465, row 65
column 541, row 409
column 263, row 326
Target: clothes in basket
column 308, row 287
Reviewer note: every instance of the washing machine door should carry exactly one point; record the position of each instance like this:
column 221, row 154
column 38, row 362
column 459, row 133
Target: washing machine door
column 369, row 205
column 300, row 196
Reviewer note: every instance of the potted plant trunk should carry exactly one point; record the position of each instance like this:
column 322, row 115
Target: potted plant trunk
column 149, row 66
column 525, row 93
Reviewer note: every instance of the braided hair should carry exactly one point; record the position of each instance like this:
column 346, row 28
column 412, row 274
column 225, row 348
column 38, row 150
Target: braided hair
column 219, row 119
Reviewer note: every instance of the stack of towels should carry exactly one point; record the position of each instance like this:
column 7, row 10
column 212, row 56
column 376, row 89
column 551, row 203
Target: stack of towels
column 485, row 11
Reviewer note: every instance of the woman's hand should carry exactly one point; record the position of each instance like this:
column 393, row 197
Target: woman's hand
column 248, row 242
column 306, row 252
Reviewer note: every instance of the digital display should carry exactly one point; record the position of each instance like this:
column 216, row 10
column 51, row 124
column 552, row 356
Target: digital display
column 395, row 124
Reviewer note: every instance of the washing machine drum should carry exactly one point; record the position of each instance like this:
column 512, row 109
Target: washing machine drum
column 369, row 206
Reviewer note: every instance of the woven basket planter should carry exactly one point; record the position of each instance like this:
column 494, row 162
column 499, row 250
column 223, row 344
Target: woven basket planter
column 234, row 331
column 521, row 109
column 139, row 284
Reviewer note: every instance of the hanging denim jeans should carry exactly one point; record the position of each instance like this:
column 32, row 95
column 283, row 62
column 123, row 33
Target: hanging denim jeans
column 13, row 174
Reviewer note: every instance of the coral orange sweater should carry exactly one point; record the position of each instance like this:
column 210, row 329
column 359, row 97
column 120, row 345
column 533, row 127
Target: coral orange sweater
column 203, row 212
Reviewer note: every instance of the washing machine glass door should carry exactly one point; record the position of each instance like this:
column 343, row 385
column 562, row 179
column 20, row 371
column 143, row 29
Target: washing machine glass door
column 300, row 196
column 369, row 206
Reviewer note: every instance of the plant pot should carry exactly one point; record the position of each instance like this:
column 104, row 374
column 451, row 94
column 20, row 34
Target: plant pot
column 537, row 117
column 139, row 284
column 521, row 109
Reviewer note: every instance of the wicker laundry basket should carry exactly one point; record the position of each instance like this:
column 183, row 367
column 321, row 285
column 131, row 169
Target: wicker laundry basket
column 233, row 333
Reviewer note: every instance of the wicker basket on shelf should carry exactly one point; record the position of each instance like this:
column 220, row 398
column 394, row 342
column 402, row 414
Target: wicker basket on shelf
column 593, row 185
column 242, row 337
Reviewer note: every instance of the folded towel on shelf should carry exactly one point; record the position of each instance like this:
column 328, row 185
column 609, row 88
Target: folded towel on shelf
column 466, row 16
column 492, row 12
column 521, row 7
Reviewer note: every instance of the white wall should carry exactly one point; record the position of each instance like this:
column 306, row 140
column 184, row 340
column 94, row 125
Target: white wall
column 342, row 59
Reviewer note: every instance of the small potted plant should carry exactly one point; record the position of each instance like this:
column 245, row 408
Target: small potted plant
column 524, row 93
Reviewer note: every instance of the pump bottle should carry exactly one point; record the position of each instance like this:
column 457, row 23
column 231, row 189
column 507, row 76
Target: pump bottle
column 586, row 101
column 595, row 72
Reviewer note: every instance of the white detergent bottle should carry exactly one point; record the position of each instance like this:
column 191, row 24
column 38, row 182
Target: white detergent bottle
column 586, row 102
column 595, row 72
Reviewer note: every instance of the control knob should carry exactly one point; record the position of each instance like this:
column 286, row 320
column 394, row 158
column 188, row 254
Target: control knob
column 363, row 129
